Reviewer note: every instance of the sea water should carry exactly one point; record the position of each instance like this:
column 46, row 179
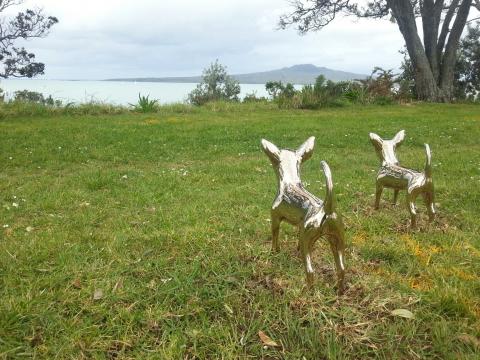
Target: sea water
column 114, row 92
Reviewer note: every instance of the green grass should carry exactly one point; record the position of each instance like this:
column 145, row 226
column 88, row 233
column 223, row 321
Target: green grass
column 165, row 217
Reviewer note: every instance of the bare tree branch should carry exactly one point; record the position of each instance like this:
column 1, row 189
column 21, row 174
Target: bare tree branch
column 376, row 9
column 4, row 4
column 313, row 15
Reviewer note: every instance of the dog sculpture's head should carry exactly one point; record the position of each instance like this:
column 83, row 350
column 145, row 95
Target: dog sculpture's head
column 386, row 148
column 286, row 162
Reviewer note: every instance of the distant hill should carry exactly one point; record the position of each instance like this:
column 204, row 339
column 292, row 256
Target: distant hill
column 297, row 74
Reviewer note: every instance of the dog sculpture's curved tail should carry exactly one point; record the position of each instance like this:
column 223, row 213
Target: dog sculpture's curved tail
column 329, row 204
column 428, row 163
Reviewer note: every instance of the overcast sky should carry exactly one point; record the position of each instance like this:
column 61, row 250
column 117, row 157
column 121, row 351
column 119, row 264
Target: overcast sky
column 98, row 39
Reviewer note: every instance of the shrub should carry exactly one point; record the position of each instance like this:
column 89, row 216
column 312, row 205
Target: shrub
column 284, row 95
column 35, row 97
column 216, row 85
column 356, row 93
column 382, row 87
column 329, row 93
column 405, row 90
column 381, row 83
column 252, row 97
column 383, row 100
column 289, row 91
column 324, row 93
column 274, row 88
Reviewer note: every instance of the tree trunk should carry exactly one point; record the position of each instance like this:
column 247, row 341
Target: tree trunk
column 425, row 80
column 450, row 56
column 434, row 69
column 426, row 85
column 431, row 15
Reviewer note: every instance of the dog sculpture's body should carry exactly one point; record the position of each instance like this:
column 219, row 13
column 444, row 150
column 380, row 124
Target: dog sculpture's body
column 297, row 206
column 392, row 175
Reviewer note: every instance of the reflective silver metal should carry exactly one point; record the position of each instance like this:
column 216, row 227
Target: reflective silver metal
column 294, row 204
column 396, row 177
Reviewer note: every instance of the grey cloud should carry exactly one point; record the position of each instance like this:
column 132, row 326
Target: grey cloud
column 159, row 38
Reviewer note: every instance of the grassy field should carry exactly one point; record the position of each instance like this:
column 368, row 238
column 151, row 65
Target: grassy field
column 148, row 236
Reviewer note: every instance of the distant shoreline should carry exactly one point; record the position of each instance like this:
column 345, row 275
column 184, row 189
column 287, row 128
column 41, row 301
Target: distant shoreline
column 298, row 74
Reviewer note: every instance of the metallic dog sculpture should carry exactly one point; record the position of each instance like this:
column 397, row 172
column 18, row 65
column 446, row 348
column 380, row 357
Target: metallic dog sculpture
column 297, row 206
column 392, row 175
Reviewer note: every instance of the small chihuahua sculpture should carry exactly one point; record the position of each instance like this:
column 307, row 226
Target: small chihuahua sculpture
column 392, row 175
column 297, row 206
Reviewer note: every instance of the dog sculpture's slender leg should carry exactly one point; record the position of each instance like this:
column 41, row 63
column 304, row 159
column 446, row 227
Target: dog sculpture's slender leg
column 378, row 194
column 336, row 237
column 299, row 231
column 429, row 199
column 275, row 230
column 412, row 209
column 395, row 196
column 306, row 245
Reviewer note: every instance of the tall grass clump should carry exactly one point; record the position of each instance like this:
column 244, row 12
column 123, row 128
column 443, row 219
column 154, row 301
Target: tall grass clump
column 31, row 103
column 27, row 103
column 145, row 105
column 27, row 109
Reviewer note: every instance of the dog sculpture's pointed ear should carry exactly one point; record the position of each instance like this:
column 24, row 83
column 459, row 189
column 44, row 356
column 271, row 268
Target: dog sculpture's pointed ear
column 306, row 149
column 399, row 137
column 271, row 150
column 376, row 140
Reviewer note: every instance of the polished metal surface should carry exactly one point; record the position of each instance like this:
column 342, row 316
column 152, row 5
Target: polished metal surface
column 392, row 175
column 294, row 204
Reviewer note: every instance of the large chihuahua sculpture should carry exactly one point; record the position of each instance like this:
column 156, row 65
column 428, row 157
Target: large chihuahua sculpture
column 392, row 175
column 297, row 206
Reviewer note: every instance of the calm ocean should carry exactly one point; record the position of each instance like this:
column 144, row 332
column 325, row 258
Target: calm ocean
column 121, row 93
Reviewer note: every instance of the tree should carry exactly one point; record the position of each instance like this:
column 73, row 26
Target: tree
column 29, row 24
column 216, row 85
column 320, row 84
column 433, row 60
column 466, row 82
column 274, row 88
column 467, row 74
